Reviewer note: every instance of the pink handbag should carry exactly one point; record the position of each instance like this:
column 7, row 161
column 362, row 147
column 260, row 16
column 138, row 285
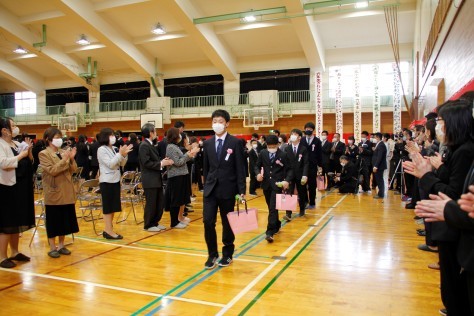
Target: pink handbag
column 320, row 183
column 243, row 221
column 286, row 202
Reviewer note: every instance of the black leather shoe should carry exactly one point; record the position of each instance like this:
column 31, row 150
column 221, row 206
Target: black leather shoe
column 107, row 236
column 410, row 206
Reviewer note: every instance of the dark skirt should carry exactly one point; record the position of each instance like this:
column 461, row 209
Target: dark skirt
column 61, row 220
column 110, row 197
column 17, row 212
column 177, row 191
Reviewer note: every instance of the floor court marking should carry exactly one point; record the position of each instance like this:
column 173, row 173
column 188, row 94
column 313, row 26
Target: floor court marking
column 270, row 267
column 110, row 287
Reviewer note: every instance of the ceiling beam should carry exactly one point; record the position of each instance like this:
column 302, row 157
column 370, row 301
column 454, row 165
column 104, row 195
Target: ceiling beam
column 204, row 36
column 19, row 34
column 307, row 34
column 40, row 17
column 155, row 38
column 24, row 78
column 111, row 4
column 80, row 48
column 114, row 38
column 227, row 28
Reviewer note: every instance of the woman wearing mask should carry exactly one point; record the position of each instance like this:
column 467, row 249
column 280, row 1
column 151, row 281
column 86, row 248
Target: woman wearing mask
column 17, row 213
column 110, row 161
column 178, row 192
column 351, row 150
column 59, row 196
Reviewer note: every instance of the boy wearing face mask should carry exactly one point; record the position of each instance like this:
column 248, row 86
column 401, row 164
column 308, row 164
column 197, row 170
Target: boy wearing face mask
column 365, row 154
column 276, row 177
column 347, row 181
column 379, row 163
column 253, row 158
column 313, row 145
column 337, row 149
column 298, row 156
column 351, row 150
column 326, row 147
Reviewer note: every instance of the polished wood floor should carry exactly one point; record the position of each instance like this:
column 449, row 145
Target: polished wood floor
column 353, row 255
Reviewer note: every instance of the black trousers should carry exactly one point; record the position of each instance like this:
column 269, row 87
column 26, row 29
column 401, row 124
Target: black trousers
column 302, row 196
column 378, row 176
column 409, row 183
column 470, row 289
column 365, row 173
column 348, row 187
column 94, row 171
column 253, row 183
column 312, row 187
column 274, row 223
column 211, row 206
column 153, row 207
column 174, row 212
column 454, row 292
column 198, row 176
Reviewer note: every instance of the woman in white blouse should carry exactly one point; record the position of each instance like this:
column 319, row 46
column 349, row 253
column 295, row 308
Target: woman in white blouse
column 110, row 160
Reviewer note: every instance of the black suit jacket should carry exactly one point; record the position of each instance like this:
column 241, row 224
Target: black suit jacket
column 367, row 152
column 379, row 158
column 326, row 152
column 279, row 170
column 314, row 153
column 94, row 147
column 300, row 162
column 253, row 158
column 349, row 173
column 339, row 151
column 162, row 148
column 224, row 178
column 150, row 165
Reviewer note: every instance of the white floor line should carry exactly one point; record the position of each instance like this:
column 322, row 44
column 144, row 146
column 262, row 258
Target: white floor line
column 270, row 267
column 110, row 287
column 165, row 251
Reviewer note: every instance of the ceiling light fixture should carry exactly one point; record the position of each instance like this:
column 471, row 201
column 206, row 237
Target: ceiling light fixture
column 83, row 40
column 159, row 29
column 361, row 5
column 20, row 50
column 247, row 16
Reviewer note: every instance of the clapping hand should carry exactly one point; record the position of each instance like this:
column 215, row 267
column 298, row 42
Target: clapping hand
column 124, row 150
column 418, row 167
column 436, row 161
column 412, row 148
column 72, row 153
column 466, row 202
column 167, row 162
column 432, row 210
column 259, row 177
column 29, row 142
column 65, row 155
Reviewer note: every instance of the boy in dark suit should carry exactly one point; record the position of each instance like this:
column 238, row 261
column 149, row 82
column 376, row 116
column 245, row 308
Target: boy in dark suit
column 313, row 145
column 347, row 181
column 277, row 175
column 326, row 146
column 253, row 158
column 365, row 154
column 224, row 178
column 150, row 166
column 298, row 156
column 337, row 150
column 379, row 163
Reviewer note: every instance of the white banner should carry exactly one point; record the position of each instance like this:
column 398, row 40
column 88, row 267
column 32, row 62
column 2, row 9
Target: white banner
column 357, row 106
column 397, row 101
column 376, row 109
column 319, row 104
column 339, row 126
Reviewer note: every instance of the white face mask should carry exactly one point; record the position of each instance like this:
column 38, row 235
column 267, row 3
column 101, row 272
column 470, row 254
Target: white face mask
column 335, row 140
column 324, row 137
column 293, row 138
column 375, row 140
column 351, row 142
column 363, row 139
column 439, row 133
column 57, row 142
column 112, row 140
column 15, row 131
column 272, row 150
column 254, row 146
column 218, row 128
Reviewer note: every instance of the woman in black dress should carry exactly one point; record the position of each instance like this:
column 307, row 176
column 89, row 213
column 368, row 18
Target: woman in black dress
column 17, row 213
column 132, row 162
column 82, row 157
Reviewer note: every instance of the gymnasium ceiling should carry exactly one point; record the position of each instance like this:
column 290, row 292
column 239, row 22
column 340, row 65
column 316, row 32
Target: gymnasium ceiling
column 126, row 50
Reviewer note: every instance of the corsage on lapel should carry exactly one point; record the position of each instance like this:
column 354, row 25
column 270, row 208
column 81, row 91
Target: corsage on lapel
column 229, row 152
column 313, row 147
column 278, row 162
column 299, row 157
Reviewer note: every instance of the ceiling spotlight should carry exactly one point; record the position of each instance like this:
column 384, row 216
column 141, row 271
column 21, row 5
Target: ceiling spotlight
column 83, row 40
column 249, row 19
column 362, row 4
column 20, row 50
column 159, row 29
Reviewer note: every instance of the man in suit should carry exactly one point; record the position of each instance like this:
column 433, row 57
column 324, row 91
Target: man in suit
column 94, row 162
column 365, row 154
column 379, row 163
column 313, row 145
column 150, row 166
column 325, row 153
column 224, row 178
column 348, row 179
column 253, row 158
column 277, row 176
column 337, row 150
column 298, row 156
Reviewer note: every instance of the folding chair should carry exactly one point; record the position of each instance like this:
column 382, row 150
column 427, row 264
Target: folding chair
column 90, row 200
column 134, row 196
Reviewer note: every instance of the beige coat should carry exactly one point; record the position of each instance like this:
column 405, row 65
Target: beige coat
column 58, row 186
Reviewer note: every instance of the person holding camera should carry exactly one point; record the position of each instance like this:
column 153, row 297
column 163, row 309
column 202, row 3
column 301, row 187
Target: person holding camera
column 347, row 180
column 365, row 154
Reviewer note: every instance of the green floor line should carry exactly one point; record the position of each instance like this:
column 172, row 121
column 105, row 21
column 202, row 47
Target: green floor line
column 286, row 266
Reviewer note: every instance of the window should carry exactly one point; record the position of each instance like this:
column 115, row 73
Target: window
column 25, row 102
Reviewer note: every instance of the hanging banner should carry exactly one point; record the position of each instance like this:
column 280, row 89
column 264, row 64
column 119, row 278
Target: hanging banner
column 357, row 106
column 319, row 104
column 376, row 109
column 339, row 126
column 397, row 101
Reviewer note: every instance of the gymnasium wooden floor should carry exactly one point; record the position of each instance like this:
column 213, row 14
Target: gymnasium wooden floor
column 351, row 256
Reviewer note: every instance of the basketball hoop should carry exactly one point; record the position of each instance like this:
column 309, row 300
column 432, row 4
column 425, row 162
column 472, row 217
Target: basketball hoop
column 256, row 127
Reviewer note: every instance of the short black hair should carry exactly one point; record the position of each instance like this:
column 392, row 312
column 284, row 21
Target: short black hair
column 147, row 128
column 344, row 157
column 255, row 135
column 172, row 135
column 297, row 131
column 277, row 132
column 337, row 134
column 49, row 134
column 179, row 124
column 104, row 135
column 379, row 135
column 431, row 126
column 408, row 132
column 284, row 138
column 253, row 140
column 325, row 132
column 386, row 135
column 420, row 128
column 263, row 137
column 310, row 125
column 351, row 137
column 132, row 137
column 221, row 113
column 458, row 122
column 272, row 140
column 118, row 133
column 365, row 133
